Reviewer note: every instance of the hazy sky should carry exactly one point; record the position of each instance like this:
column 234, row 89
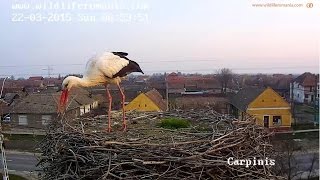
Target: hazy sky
column 162, row 35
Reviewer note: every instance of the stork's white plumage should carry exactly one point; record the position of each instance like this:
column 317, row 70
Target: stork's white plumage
column 108, row 68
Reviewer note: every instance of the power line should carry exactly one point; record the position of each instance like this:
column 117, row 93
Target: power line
column 39, row 65
column 142, row 62
column 167, row 70
column 248, row 68
column 83, row 64
column 49, row 68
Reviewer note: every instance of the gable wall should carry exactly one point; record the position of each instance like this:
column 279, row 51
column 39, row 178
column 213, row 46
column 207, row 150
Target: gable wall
column 142, row 103
column 268, row 99
column 269, row 103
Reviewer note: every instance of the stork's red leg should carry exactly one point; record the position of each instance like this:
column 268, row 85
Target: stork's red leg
column 109, row 108
column 124, row 124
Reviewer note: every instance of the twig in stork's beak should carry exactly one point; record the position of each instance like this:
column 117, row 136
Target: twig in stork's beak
column 63, row 100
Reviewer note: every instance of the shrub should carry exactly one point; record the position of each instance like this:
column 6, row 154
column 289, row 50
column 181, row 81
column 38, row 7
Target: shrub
column 174, row 123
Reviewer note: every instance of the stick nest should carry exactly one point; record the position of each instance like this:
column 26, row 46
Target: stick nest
column 81, row 149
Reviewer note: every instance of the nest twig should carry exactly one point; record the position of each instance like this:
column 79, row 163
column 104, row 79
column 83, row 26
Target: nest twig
column 78, row 151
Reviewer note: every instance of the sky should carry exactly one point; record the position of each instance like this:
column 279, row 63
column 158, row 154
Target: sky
column 190, row 36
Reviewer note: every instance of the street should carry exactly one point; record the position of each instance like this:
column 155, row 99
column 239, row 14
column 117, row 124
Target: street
column 304, row 161
column 20, row 161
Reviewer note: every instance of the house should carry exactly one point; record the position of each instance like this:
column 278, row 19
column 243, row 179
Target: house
column 131, row 92
column 178, row 84
column 281, row 84
column 11, row 86
column 149, row 101
column 37, row 110
column 267, row 106
column 84, row 100
column 200, row 101
column 304, row 89
column 4, row 108
column 10, row 97
column 86, row 103
column 36, row 78
column 52, row 82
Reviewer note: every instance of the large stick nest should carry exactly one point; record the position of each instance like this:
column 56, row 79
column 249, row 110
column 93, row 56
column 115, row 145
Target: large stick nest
column 80, row 149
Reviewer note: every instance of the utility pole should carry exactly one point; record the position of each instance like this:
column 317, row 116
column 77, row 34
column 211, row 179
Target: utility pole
column 3, row 153
column 316, row 100
column 4, row 159
column 292, row 101
column 49, row 69
column 167, row 91
column 3, row 86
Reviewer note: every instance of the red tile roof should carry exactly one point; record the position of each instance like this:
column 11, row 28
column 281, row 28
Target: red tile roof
column 307, row 79
column 39, row 78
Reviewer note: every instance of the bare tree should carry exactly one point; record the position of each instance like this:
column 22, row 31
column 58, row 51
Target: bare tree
column 286, row 162
column 224, row 76
column 314, row 160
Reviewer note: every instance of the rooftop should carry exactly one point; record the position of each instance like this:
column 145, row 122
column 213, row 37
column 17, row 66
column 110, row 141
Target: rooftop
column 245, row 96
column 156, row 97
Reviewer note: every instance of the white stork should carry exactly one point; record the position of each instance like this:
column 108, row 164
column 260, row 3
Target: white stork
column 109, row 68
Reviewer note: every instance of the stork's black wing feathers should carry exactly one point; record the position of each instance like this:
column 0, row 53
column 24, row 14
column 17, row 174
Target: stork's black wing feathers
column 121, row 54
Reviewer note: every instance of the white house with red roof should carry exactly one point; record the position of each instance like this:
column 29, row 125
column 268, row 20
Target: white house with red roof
column 305, row 88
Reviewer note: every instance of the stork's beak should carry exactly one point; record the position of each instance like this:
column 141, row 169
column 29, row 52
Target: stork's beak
column 63, row 100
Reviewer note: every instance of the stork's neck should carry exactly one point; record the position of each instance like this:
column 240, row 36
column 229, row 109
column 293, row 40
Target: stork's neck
column 84, row 82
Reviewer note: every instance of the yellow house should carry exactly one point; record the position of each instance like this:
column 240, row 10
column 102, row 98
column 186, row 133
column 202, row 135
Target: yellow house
column 267, row 106
column 149, row 101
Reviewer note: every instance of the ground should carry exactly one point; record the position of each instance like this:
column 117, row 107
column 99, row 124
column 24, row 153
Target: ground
column 22, row 142
column 15, row 177
column 306, row 142
column 305, row 114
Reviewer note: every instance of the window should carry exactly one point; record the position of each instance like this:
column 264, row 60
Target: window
column 82, row 111
column 145, row 105
column 23, row 120
column 276, row 120
column 45, row 119
column 306, row 96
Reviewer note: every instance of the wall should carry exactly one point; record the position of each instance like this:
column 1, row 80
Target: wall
column 219, row 104
column 269, row 103
column 298, row 92
column 285, row 116
column 142, row 103
column 35, row 120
